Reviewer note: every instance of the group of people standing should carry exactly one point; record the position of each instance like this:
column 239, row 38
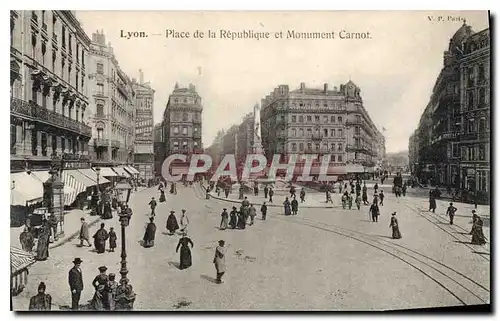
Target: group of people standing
column 109, row 295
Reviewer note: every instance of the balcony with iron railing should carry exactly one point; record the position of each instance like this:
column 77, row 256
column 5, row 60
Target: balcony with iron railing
column 444, row 136
column 116, row 143
column 101, row 142
column 43, row 115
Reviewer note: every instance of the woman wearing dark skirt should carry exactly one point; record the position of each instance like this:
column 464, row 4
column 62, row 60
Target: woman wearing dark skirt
column 149, row 235
column 185, row 259
column 162, row 196
column 172, row 224
column 42, row 248
column 396, row 234
column 478, row 237
column 233, row 219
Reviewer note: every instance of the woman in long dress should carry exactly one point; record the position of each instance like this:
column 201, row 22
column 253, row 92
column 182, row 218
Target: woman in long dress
column 184, row 222
column 225, row 219
column 396, row 234
column 42, row 248
column 220, row 261
column 241, row 224
column 27, row 240
column 100, row 299
column 233, row 220
column 477, row 232
column 162, row 196
column 288, row 208
column 172, row 224
column 185, row 257
column 149, row 234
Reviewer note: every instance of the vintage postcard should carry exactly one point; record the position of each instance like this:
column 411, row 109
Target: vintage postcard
column 250, row 161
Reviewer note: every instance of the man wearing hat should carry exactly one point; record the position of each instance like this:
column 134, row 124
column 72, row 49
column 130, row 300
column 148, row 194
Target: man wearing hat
column 41, row 301
column 152, row 205
column 75, row 283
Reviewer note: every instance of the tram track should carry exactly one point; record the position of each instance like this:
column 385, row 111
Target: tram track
column 450, row 230
column 463, row 288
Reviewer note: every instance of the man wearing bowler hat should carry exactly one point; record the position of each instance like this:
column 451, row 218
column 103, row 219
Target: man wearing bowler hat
column 75, row 283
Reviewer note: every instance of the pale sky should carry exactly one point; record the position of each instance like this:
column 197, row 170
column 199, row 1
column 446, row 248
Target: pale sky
column 395, row 69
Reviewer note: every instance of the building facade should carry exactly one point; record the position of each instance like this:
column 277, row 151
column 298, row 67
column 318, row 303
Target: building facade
column 49, row 98
column 245, row 138
column 451, row 145
column 182, row 125
column 320, row 121
column 112, row 106
column 159, row 148
column 475, row 116
column 144, row 141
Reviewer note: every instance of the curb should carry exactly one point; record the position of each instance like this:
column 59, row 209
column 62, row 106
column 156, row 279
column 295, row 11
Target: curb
column 270, row 204
column 72, row 235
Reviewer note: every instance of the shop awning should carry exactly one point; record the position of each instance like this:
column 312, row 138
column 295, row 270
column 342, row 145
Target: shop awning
column 20, row 259
column 43, row 176
column 81, row 178
column 131, row 170
column 121, row 171
column 106, row 171
column 25, row 188
column 74, row 184
column 90, row 173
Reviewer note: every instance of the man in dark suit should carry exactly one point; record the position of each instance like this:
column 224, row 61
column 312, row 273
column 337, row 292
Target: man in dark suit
column 75, row 283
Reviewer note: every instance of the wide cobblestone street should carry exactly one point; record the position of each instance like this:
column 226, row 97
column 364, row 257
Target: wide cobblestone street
column 321, row 259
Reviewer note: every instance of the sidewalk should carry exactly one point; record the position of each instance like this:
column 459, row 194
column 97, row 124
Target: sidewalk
column 72, row 225
column 71, row 228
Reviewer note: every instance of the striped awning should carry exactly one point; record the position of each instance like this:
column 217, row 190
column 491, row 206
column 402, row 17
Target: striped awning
column 131, row 169
column 90, row 173
column 76, row 185
column 106, row 171
column 121, row 171
column 81, row 178
column 19, row 259
column 25, row 188
column 43, row 176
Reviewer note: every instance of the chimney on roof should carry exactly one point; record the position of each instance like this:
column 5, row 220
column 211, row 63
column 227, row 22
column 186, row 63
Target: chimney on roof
column 141, row 77
column 302, row 85
column 192, row 87
column 325, row 87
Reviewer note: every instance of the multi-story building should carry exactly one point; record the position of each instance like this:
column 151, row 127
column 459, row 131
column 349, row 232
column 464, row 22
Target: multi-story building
column 49, row 99
column 413, row 153
column 112, row 106
column 230, row 141
column 320, row 121
column 451, row 145
column 159, row 148
column 475, row 117
column 216, row 150
column 144, row 149
column 182, row 124
column 245, row 138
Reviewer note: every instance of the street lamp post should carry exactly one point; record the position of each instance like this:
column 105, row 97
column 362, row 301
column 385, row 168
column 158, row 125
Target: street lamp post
column 98, row 172
column 125, row 296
